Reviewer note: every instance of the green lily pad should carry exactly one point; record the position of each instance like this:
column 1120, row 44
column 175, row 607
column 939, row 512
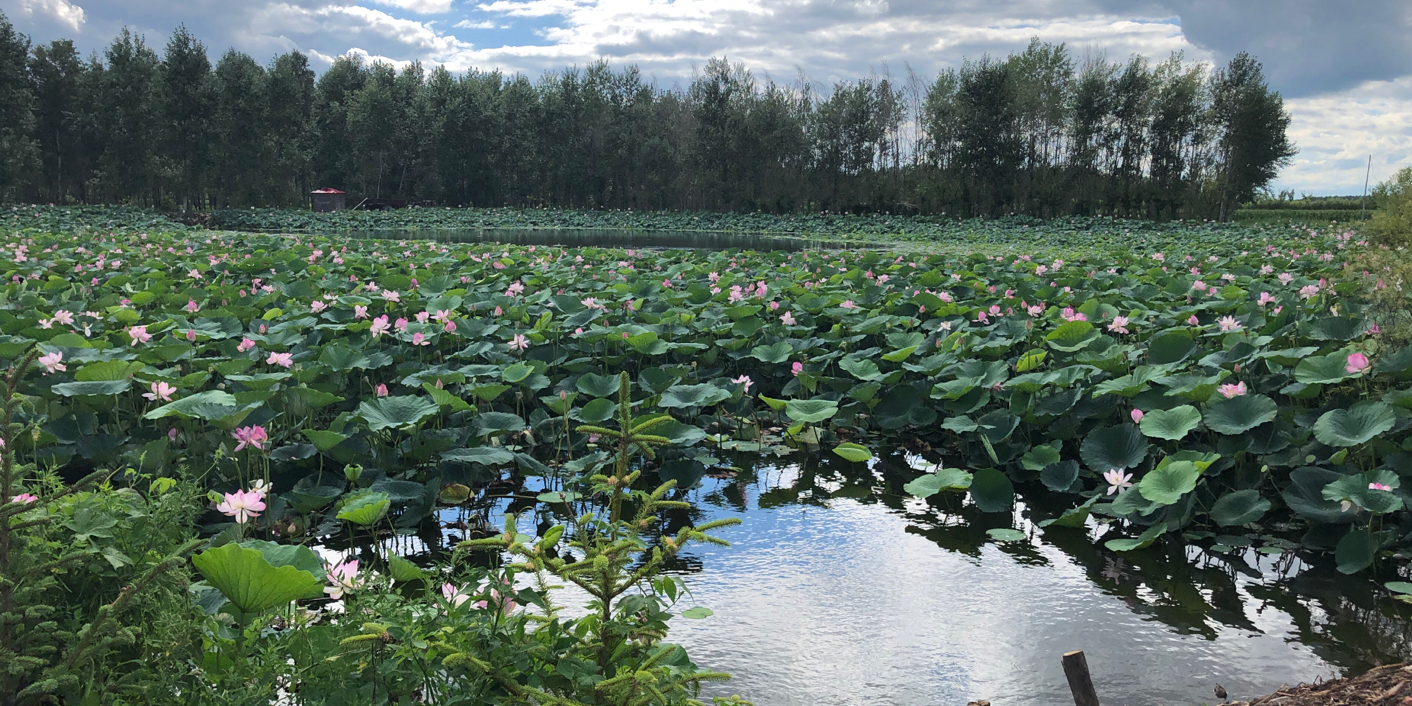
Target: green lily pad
column 365, row 508
column 1167, row 484
column 1240, row 507
column 774, row 353
column 96, row 387
column 929, row 484
column 248, row 580
column 396, row 412
column 1171, row 424
column 1238, row 415
column 853, row 452
column 703, row 395
column 1355, row 425
column 992, row 491
column 1121, row 446
column 810, row 411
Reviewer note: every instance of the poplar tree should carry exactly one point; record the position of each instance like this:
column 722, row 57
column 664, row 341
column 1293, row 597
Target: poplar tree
column 19, row 155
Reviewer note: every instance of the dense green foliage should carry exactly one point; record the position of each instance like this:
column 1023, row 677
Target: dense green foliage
column 1299, row 215
column 1256, row 371
column 127, row 626
column 355, row 387
column 1036, row 133
column 447, row 223
column 1392, row 225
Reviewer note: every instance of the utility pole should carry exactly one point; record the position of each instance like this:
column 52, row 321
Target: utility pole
column 1363, row 203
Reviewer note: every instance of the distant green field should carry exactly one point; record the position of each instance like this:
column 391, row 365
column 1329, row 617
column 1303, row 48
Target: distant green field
column 1305, row 215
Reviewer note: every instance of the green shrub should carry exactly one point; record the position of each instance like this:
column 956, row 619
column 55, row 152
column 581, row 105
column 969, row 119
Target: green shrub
column 1391, row 224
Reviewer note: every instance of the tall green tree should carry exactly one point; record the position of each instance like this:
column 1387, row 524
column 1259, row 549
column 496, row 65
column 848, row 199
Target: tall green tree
column 127, row 93
column 289, row 120
column 18, row 152
column 240, row 130
column 57, row 73
column 187, row 98
column 989, row 148
column 1252, row 124
column 333, row 156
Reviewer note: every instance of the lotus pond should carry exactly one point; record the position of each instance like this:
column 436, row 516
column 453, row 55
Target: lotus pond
column 1186, row 461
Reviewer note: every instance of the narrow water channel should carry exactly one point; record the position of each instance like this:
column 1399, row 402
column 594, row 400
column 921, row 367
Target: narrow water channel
column 837, row 590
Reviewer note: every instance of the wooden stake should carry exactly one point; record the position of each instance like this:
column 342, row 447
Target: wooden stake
column 1363, row 202
column 1076, row 669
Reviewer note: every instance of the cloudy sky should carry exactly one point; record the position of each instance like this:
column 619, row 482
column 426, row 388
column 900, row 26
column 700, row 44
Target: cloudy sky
column 1344, row 66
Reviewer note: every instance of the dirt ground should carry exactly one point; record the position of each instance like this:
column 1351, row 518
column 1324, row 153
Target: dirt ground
column 1384, row 686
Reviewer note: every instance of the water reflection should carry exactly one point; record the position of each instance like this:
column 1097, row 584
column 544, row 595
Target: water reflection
column 838, row 589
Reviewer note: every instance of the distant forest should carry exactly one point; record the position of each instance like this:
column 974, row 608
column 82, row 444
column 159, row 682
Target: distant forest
column 1040, row 132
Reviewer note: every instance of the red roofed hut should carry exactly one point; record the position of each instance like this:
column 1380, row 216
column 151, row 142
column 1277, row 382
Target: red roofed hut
column 326, row 200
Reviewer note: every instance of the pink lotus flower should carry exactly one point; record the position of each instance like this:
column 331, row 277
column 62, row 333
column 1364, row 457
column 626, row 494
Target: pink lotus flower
column 139, row 334
column 160, row 391
column 1192, row 320
column 342, row 578
column 849, row 304
column 519, row 342
column 242, row 505
column 1380, row 486
column 1137, row 415
column 787, row 319
column 449, row 327
column 422, row 316
column 245, row 345
column 380, row 326
column 667, row 283
column 253, row 436
column 400, row 324
column 455, row 595
column 1309, row 291
column 51, row 362
column 360, row 311
column 745, row 380
column 191, row 335
column 1119, row 325
column 796, row 368
column 382, row 390
column 1230, row 391
column 192, row 306
column 1117, row 480
column 420, row 339
column 317, row 306
column 391, row 296
column 25, row 498
column 284, row 360
column 1357, row 362
column 1228, row 323
column 64, row 317
column 1265, row 298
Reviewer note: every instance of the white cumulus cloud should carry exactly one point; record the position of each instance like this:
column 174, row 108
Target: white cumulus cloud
column 62, row 12
column 421, row 7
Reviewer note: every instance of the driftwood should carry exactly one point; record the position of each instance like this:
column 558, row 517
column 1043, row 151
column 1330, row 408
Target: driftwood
column 1384, row 686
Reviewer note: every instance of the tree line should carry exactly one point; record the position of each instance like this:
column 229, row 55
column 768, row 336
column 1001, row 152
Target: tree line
column 1039, row 132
